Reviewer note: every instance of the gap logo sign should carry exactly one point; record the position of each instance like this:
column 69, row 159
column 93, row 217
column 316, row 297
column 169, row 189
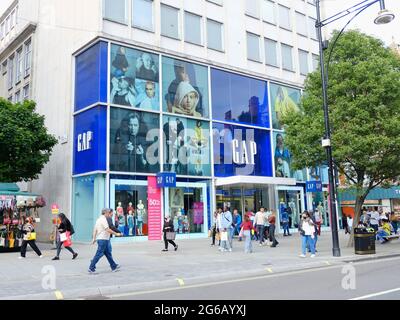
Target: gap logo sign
column 313, row 186
column 166, row 180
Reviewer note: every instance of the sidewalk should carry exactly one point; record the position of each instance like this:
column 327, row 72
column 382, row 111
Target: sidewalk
column 144, row 266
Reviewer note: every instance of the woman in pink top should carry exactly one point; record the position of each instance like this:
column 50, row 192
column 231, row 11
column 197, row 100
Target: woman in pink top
column 247, row 226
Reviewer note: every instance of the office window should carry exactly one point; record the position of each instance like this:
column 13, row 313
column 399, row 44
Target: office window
column 17, row 96
column 142, row 14
column 252, row 8
column 301, row 24
column 19, row 66
column 312, row 29
column 253, row 47
column 303, row 62
column 268, row 11
column 169, row 21
column 284, row 17
column 28, row 58
column 193, row 28
column 270, row 52
column 7, row 25
column 115, row 10
column 4, row 67
column 315, row 61
column 26, row 92
column 12, row 21
column 214, row 35
column 287, row 59
column 10, row 72
column 219, row 2
column 3, row 30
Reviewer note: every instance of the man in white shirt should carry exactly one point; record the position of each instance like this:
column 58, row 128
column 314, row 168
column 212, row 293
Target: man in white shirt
column 259, row 221
column 374, row 221
column 101, row 234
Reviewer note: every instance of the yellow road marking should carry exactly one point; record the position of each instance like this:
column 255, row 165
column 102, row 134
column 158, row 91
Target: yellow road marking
column 181, row 282
column 59, row 295
column 269, row 270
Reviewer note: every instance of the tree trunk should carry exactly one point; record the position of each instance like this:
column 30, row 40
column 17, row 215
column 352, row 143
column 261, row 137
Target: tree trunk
column 356, row 219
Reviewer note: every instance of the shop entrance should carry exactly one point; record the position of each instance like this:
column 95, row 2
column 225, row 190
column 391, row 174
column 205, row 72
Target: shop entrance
column 290, row 199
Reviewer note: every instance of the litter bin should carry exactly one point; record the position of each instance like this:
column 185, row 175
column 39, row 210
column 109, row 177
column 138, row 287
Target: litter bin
column 364, row 241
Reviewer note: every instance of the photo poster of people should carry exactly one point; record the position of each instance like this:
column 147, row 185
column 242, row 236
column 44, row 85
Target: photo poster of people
column 283, row 159
column 186, row 146
column 283, row 101
column 132, row 149
column 185, row 88
column 134, row 78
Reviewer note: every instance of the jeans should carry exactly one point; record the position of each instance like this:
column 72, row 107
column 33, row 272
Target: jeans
column 225, row 244
column 230, row 236
column 59, row 247
column 272, row 235
column 33, row 245
column 260, row 232
column 381, row 235
column 395, row 226
column 285, row 226
column 307, row 240
column 247, row 244
column 213, row 234
column 103, row 249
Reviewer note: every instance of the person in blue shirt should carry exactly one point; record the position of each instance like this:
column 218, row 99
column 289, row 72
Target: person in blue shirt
column 285, row 222
column 237, row 221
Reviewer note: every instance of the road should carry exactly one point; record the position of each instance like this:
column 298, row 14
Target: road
column 373, row 280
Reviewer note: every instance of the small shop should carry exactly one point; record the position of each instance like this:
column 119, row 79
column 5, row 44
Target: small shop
column 15, row 206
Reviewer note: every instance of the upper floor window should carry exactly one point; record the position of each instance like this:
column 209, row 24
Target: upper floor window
column 284, row 18
column 193, row 28
column 12, row 19
column 270, row 52
column 19, row 66
column 252, row 8
column 8, row 28
column 214, row 35
column 303, row 62
column 4, row 67
column 26, row 92
column 315, row 61
column 142, row 14
column 28, row 58
column 170, row 22
column 312, row 29
column 2, row 30
column 115, row 10
column 287, row 58
column 10, row 72
column 253, row 47
column 301, row 24
column 268, row 11
column 17, row 96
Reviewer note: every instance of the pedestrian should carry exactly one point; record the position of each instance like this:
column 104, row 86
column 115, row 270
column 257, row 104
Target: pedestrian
column 226, row 229
column 272, row 221
column 227, row 216
column 246, row 227
column 214, row 228
column 345, row 224
column 64, row 227
column 318, row 220
column 394, row 221
column 237, row 221
column 219, row 227
column 384, row 231
column 101, row 234
column 259, row 221
column 28, row 230
column 307, row 232
column 285, row 222
column 374, row 219
column 168, row 227
column 349, row 223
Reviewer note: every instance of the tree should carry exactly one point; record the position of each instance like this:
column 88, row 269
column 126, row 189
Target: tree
column 25, row 145
column 364, row 111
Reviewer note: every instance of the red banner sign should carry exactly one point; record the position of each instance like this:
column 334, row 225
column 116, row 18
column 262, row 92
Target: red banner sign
column 154, row 209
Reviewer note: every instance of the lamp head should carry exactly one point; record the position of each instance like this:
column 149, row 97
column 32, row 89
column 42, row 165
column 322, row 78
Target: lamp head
column 384, row 16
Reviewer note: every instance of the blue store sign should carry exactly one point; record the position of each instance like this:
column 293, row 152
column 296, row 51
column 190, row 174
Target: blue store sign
column 166, row 180
column 313, row 186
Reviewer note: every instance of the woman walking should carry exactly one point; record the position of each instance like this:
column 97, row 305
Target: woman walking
column 64, row 227
column 307, row 231
column 246, row 228
column 168, row 227
column 28, row 230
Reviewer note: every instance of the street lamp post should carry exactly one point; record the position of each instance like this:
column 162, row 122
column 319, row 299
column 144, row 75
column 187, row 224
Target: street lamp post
column 384, row 16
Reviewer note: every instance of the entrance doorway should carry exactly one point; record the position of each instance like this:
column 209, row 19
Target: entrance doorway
column 290, row 199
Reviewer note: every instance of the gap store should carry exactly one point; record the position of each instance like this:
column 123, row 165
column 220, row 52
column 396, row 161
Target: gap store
column 138, row 113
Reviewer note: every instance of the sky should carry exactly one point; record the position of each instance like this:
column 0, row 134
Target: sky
column 364, row 22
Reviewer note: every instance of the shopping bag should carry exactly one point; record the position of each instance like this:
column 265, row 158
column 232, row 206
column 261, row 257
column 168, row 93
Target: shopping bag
column 224, row 236
column 218, row 236
column 209, row 233
column 170, row 235
column 68, row 241
column 63, row 236
column 32, row 236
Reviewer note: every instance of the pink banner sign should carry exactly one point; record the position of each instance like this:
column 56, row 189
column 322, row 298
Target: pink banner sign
column 154, row 209
column 198, row 212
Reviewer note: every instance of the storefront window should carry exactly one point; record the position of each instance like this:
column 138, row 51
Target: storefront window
column 185, row 88
column 320, row 203
column 187, row 205
column 186, row 146
column 239, row 99
column 134, row 78
column 292, row 202
column 283, row 101
column 134, row 141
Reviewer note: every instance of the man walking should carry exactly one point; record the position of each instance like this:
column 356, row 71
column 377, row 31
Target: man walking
column 101, row 234
column 259, row 220
column 226, row 225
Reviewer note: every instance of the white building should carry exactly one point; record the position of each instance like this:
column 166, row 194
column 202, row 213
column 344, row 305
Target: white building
column 272, row 41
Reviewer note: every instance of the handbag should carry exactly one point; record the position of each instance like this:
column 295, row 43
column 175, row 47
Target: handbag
column 170, row 235
column 217, row 236
column 241, row 233
column 224, row 236
column 32, row 236
column 209, row 233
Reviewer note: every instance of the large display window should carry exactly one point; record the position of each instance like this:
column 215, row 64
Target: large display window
column 134, row 141
column 187, row 205
column 291, row 200
column 283, row 101
column 185, row 88
column 238, row 98
column 134, row 78
column 186, row 146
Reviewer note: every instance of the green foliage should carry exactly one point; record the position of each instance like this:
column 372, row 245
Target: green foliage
column 364, row 111
column 25, row 145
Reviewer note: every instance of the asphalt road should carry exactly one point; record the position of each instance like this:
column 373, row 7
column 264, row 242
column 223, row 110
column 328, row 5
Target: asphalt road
column 367, row 280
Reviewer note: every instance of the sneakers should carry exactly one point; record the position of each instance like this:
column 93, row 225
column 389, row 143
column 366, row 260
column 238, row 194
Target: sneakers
column 312, row 256
column 56, row 258
column 21, row 257
column 118, row 266
column 92, row 271
column 230, row 250
column 41, row 256
column 302, row 256
column 74, row 256
column 164, row 250
column 176, row 247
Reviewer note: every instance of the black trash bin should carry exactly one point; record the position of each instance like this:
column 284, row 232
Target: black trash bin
column 364, row 241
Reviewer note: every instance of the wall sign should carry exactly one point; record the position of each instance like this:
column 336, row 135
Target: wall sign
column 166, row 180
column 85, row 141
column 154, row 209
column 313, row 186
column 244, row 151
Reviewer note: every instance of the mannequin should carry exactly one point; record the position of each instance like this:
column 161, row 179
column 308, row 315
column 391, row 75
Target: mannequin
column 321, row 210
column 141, row 211
column 293, row 211
column 176, row 222
column 120, row 217
column 131, row 222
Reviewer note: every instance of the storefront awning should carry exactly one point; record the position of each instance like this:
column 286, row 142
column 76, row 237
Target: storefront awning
column 254, row 180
